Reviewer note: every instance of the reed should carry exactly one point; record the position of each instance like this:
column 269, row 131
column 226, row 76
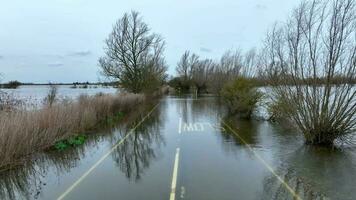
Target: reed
column 24, row 132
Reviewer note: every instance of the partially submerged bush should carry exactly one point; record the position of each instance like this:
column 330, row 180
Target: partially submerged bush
column 180, row 85
column 241, row 96
column 278, row 110
column 305, row 58
column 70, row 142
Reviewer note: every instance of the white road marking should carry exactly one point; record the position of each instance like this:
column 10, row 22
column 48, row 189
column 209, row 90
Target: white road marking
column 180, row 126
column 80, row 179
column 182, row 192
column 174, row 178
column 295, row 195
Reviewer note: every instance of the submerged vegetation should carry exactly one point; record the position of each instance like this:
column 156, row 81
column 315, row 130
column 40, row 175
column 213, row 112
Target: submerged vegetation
column 241, row 97
column 24, row 132
column 8, row 102
column 71, row 141
column 27, row 182
column 303, row 58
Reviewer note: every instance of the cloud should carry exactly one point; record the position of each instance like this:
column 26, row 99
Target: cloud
column 55, row 64
column 81, row 53
column 260, row 6
column 203, row 49
column 56, row 56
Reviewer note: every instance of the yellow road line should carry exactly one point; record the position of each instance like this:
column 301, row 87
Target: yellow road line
column 295, row 195
column 174, row 178
column 80, row 179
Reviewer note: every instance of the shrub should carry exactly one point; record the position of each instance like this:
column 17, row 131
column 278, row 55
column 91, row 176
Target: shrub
column 241, row 96
column 71, row 141
column 180, row 85
column 278, row 110
column 310, row 61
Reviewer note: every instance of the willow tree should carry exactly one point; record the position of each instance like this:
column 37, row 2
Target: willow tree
column 134, row 55
column 304, row 56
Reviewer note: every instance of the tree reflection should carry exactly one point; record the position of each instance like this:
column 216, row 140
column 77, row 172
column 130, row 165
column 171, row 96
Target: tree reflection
column 26, row 182
column 137, row 151
column 15, row 183
column 314, row 173
column 193, row 110
column 246, row 129
column 275, row 189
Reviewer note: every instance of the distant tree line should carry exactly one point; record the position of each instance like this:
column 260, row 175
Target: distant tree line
column 11, row 85
column 209, row 76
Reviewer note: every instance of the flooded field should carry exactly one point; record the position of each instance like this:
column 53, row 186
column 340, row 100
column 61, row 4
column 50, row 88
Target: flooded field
column 34, row 94
column 188, row 148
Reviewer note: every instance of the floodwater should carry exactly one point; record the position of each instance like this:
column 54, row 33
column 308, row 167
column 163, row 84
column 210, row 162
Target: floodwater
column 188, row 148
column 34, row 94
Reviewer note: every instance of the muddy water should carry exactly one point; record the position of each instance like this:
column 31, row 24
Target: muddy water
column 220, row 157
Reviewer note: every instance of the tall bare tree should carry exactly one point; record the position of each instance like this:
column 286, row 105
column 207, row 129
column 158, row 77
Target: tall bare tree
column 229, row 67
column 304, row 56
column 186, row 65
column 134, row 55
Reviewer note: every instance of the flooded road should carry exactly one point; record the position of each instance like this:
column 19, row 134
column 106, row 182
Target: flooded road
column 187, row 148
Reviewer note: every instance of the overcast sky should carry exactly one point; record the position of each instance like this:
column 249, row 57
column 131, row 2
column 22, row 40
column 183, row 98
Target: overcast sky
column 61, row 40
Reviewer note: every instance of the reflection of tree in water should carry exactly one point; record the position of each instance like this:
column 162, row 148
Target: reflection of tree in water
column 314, row 173
column 183, row 107
column 194, row 109
column 247, row 130
column 26, row 182
column 207, row 106
column 14, row 184
column 134, row 155
column 275, row 189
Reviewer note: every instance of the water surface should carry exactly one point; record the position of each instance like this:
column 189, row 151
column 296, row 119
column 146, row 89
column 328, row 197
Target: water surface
column 220, row 157
column 34, row 94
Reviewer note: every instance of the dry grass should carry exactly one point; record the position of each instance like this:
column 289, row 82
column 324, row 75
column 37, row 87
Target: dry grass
column 24, row 132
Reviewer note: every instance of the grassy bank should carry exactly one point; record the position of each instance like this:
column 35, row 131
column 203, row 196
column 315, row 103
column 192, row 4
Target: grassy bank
column 23, row 133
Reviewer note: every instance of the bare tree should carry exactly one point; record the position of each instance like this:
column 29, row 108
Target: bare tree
column 186, row 65
column 303, row 56
column 133, row 55
column 250, row 63
column 201, row 73
column 229, row 67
